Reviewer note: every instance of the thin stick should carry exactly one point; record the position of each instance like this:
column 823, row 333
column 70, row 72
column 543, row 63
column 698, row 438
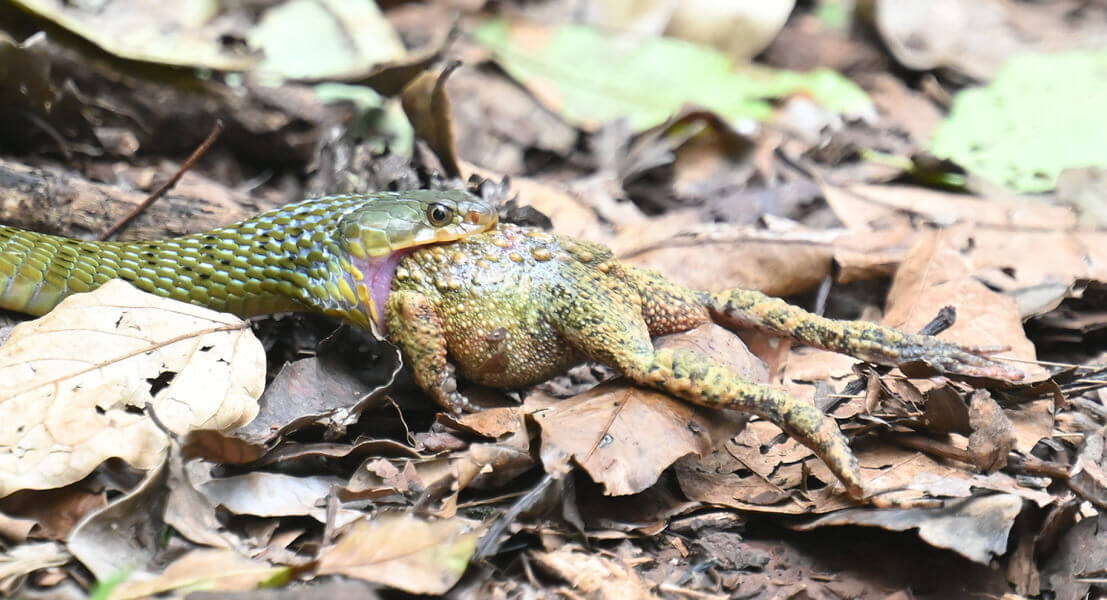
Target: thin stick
column 202, row 149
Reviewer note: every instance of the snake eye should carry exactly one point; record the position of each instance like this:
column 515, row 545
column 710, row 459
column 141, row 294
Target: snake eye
column 439, row 214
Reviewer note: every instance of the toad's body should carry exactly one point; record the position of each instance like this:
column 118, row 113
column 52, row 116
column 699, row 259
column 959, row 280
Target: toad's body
column 513, row 306
column 505, row 297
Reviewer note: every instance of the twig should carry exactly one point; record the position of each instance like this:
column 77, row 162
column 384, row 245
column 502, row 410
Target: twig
column 1020, row 464
column 202, row 149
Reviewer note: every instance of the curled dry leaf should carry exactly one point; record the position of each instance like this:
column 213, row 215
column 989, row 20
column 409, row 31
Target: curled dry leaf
column 993, row 436
column 405, row 552
column 76, row 381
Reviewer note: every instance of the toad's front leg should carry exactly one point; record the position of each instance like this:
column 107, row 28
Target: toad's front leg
column 415, row 327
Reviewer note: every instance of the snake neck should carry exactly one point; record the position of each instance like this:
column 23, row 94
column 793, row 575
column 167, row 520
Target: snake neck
column 280, row 261
column 38, row 271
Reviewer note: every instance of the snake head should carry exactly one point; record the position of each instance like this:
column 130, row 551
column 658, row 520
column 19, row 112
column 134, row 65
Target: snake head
column 396, row 221
column 377, row 234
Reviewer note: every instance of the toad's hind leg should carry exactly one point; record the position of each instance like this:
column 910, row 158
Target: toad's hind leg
column 618, row 336
column 860, row 339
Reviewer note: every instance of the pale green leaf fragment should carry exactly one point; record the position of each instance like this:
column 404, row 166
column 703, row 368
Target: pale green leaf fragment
column 1042, row 114
column 590, row 77
column 381, row 121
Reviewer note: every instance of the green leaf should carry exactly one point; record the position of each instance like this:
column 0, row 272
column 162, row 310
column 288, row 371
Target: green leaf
column 590, row 78
column 1042, row 114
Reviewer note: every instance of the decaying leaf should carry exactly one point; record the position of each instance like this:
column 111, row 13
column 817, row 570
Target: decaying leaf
column 717, row 257
column 76, row 382
column 399, row 550
column 1080, row 560
column 759, row 471
column 935, row 274
column 53, row 513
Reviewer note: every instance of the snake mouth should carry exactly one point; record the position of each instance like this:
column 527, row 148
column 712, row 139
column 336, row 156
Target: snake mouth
column 375, row 284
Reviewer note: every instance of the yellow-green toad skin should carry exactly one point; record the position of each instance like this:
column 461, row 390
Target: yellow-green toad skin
column 514, row 306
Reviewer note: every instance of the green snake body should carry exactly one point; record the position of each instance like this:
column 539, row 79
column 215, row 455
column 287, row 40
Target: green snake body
column 325, row 254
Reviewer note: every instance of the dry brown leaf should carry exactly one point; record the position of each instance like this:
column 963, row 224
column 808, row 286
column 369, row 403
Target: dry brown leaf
column 598, row 577
column 1013, row 260
column 975, row 528
column 347, row 376
column 1079, row 561
column 1033, row 421
column 220, row 570
column 866, row 255
column 613, row 431
column 934, row 275
column 867, row 207
column 187, row 510
column 492, row 422
column 740, row 476
column 405, row 552
column 379, row 477
column 54, row 512
column 78, row 378
column 717, row 257
column 427, row 106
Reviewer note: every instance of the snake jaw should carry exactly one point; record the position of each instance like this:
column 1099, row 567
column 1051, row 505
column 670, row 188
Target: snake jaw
column 372, row 278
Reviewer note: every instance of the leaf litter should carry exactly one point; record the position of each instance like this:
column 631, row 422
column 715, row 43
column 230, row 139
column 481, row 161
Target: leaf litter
column 592, row 486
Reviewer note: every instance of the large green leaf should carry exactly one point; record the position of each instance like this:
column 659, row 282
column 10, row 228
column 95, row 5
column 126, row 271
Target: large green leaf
column 1042, row 114
column 590, row 77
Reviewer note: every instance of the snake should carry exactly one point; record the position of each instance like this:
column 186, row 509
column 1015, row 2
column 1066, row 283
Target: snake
column 334, row 255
